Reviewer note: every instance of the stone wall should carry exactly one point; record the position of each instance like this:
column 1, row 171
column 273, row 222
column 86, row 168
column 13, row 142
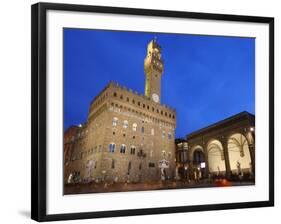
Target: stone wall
column 120, row 117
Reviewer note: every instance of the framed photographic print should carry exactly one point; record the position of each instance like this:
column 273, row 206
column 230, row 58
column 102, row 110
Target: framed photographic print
column 139, row 111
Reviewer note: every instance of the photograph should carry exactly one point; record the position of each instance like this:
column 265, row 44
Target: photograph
column 140, row 111
column 157, row 111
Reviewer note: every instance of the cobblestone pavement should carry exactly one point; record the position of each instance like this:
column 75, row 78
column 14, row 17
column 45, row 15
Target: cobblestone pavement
column 82, row 188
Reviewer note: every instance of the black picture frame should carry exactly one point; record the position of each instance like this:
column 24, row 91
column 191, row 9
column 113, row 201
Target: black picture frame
column 38, row 108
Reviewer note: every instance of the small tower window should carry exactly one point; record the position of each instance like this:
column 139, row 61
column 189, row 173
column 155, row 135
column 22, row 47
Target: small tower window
column 111, row 147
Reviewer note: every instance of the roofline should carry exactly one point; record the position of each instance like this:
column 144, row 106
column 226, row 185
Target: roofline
column 226, row 120
column 129, row 90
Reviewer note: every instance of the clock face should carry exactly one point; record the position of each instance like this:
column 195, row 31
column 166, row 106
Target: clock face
column 155, row 97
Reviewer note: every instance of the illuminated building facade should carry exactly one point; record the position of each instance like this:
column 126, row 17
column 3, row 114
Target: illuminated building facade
column 226, row 148
column 127, row 136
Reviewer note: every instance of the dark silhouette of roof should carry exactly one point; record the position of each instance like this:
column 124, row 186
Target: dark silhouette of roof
column 223, row 123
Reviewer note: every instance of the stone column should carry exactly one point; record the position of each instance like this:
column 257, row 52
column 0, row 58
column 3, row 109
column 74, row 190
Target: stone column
column 226, row 157
column 190, row 165
column 206, row 174
column 252, row 155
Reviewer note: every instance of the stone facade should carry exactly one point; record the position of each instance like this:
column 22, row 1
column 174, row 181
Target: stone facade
column 124, row 138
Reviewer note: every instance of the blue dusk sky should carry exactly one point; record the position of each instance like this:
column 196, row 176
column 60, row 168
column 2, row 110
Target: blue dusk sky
column 206, row 78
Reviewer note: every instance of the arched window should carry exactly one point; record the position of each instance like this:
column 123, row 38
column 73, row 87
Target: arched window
column 135, row 127
column 114, row 94
column 111, row 147
column 125, row 124
column 114, row 121
column 112, row 164
column 142, row 129
column 169, row 135
column 133, row 150
column 123, row 148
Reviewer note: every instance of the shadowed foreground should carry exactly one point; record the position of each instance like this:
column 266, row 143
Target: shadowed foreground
column 82, row 188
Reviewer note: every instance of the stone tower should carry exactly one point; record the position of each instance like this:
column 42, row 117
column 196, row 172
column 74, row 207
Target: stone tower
column 153, row 67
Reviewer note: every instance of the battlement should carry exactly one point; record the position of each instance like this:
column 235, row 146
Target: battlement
column 117, row 86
